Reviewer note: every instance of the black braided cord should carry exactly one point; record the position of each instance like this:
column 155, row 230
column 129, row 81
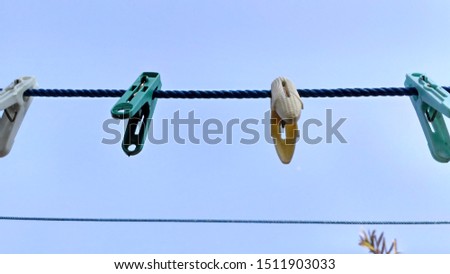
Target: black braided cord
column 227, row 94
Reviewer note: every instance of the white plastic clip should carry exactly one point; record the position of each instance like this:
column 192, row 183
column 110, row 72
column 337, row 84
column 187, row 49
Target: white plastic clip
column 286, row 107
column 14, row 106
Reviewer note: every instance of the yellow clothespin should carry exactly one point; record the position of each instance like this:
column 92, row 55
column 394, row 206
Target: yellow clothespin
column 286, row 107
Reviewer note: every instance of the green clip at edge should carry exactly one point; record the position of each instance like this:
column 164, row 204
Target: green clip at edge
column 137, row 105
column 431, row 103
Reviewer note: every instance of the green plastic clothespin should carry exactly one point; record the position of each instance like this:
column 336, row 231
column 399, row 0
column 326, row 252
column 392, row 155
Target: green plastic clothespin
column 137, row 105
column 431, row 103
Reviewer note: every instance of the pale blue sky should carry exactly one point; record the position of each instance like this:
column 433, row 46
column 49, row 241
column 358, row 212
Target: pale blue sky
column 59, row 167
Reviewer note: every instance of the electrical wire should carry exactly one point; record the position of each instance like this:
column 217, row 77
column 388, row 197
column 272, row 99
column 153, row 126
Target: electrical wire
column 220, row 221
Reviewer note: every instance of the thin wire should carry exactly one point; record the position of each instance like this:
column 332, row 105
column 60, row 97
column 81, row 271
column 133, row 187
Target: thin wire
column 227, row 94
column 221, row 221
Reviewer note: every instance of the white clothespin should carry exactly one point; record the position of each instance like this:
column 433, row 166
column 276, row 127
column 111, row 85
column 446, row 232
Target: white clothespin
column 14, row 106
column 286, row 107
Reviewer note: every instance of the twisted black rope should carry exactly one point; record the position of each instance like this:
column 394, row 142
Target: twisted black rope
column 227, row 94
column 221, row 221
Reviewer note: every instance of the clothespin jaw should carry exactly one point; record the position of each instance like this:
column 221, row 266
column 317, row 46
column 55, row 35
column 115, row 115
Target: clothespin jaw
column 430, row 104
column 286, row 107
column 137, row 105
column 14, row 106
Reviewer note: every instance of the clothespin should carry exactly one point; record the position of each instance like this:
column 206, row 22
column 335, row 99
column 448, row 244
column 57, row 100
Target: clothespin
column 286, row 107
column 14, row 106
column 431, row 103
column 137, row 105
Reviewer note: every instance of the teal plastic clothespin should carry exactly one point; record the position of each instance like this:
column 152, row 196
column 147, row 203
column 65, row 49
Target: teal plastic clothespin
column 137, row 105
column 431, row 103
